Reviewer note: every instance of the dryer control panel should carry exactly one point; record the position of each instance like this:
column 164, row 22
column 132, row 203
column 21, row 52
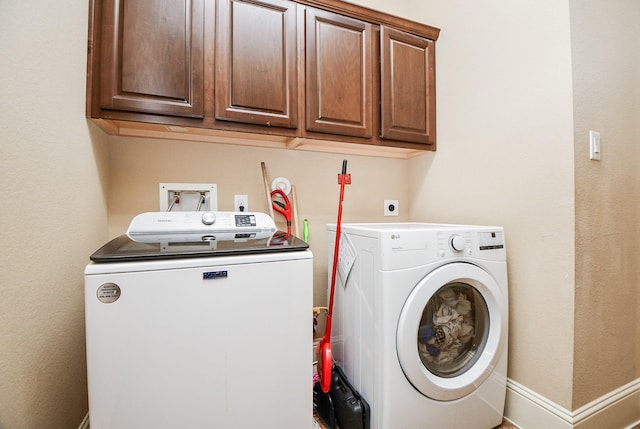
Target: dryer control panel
column 490, row 240
column 412, row 244
column 482, row 244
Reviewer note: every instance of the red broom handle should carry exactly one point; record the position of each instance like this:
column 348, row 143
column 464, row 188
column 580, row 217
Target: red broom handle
column 343, row 179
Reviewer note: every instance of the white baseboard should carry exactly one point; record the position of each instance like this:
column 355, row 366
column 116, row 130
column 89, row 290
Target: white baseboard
column 619, row 409
column 85, row 422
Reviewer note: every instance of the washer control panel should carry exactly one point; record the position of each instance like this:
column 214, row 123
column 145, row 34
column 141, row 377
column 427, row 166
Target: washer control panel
column 167, row 223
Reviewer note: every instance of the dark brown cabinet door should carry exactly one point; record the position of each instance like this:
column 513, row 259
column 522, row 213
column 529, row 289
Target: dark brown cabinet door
column 408, row 87
column 256, row 62
column 339, row 65
column 152, row 56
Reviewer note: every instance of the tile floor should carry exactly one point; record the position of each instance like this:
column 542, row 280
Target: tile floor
column 506, row 425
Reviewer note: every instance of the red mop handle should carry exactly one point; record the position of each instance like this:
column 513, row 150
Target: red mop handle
column 343, row 179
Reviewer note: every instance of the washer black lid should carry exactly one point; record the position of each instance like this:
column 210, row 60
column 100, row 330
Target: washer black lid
column 123, row 248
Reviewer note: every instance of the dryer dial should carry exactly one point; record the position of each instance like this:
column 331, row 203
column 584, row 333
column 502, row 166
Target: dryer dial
column 457, row 242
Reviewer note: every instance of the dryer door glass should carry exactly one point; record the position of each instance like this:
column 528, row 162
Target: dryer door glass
column 453, row 329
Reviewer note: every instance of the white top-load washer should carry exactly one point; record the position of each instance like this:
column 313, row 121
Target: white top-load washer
column 200, row 320
column 420, row 322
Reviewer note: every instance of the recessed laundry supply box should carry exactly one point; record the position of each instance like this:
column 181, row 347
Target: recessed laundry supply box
column 200, row 321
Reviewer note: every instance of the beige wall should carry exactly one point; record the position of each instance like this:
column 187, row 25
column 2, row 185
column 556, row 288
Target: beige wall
column 139, row 165
column 53, row 175
column 507, row 142
column 505, row 157
column 606, row 62
column 509, row 79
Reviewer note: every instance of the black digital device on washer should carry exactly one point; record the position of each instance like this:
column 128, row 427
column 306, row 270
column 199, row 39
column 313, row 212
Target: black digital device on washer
column 342, row 407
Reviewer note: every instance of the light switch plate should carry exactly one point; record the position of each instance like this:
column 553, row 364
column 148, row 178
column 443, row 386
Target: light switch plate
column 594, row 145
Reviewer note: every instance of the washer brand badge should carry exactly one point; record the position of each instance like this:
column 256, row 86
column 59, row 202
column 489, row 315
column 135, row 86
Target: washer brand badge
column 108, row 293
column 214, row 275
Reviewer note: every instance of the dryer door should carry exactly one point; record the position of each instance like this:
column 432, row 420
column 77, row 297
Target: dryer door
column 452, row 330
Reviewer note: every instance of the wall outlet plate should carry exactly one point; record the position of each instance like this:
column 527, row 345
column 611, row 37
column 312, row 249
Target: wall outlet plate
column 183, row 197
column 241, row 203
column 391, row 208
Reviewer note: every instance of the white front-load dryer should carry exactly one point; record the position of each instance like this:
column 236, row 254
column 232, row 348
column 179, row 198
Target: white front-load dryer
column 420, row 322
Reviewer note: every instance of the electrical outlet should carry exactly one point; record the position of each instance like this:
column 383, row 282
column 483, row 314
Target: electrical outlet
column 241, row 203
column 391, row 208
column 183, row 197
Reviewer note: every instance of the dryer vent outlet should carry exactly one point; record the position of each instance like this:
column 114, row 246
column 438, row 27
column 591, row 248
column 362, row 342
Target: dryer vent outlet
column 391, row 208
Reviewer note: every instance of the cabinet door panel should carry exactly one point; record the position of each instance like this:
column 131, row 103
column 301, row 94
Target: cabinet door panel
column 339, row 74
column 152, row 56
column 408, row 87
column 256, row 62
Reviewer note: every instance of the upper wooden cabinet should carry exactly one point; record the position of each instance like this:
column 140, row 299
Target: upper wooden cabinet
column 408, row 102
column 149, row 56
column 339, row 74
column 310, row 74
column 256, row 62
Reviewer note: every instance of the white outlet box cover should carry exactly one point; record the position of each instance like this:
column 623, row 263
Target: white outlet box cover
column 189, row 196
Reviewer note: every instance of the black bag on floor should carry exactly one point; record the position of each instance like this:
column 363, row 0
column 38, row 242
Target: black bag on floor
column 342, row 407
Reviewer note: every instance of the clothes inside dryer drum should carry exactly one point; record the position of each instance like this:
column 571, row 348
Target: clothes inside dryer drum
column 453, row 329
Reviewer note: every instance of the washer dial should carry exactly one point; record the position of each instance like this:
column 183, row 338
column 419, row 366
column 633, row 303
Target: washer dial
column 208, row 218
